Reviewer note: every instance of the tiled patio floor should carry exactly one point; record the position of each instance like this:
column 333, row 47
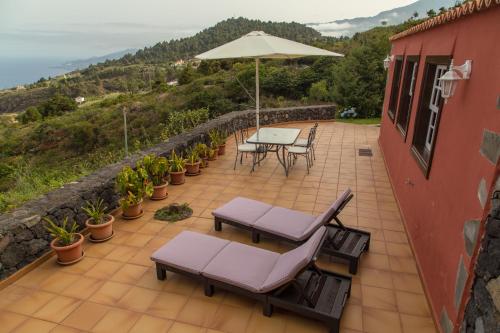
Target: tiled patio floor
column 114, row 289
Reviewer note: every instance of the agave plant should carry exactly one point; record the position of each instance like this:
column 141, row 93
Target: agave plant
column 202, row 149
column 193, row 156
column 214, row 137
column 156, row 168
column 95, row 211
column 65, row 234
column 176, row 162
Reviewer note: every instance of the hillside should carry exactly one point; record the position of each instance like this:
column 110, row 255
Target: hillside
column 132, row 73
column 348, row 27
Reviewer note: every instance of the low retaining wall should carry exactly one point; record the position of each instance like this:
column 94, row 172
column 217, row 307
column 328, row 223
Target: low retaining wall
column 23, row 237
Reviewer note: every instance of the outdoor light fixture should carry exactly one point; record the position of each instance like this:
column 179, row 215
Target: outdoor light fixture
column 448, row 82
column 387, row 61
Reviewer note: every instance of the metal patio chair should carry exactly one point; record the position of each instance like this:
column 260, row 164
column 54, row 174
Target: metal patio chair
column 295, row 151
column 303, row 142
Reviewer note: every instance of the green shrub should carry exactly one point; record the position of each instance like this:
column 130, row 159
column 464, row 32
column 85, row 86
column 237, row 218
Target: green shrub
column 31, row 114
column 319, row 91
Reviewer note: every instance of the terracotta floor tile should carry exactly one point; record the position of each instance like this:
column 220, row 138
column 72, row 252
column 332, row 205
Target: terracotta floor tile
column 138, row 299
column 351, row 317
column 152, row 228
column 149, row 280
column 138, row 240
column 80, row 267
column 231, row 319
column 395, row 236
column 407, row 282
column 378, row 298
column 99, row 250
column 82, row 288
column 10, row 320
column 13, row 293
column 58, row 282
column 402, row 265
column 142, row 257
column 110, row 293
column 104, row 269
column 259, row 323
column 86, row 316
column 378, row 247
column 376, row 261
column 122, row 253
column 399, row 250
column 198, row 312
column 238, row 300
column 185, row 328
column 34, row 280
column 414, row 324
column 377, row 321
column 376, row 278
column 57, row 309
column 151, row 324
column 413, row 304
column 35, row 325
column 298, row 324
column 178, row 284
column 116, row 321
column 167, row 305
column 31, row 303
column 64, row 329
column 129, row 273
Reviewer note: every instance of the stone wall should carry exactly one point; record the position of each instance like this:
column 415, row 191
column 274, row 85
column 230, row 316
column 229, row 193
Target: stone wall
column 22, row 234
column 482, row 313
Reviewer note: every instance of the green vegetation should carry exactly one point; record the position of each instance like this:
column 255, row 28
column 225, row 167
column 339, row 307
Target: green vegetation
column 54, row 141
column 156, row 167
column 65, row 234
column 95, row 211
column 133, row 185
column 174, row 212
column 360, row 121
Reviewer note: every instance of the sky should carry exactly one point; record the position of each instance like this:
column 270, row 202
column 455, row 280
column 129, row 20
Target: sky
column 78, row 29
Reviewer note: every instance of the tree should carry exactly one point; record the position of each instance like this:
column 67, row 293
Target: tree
column 319, row 91
column 415, row 14
column 187, row 75
column 31, row 114
column 442, row 10
column 431, row 13
column 57, row 105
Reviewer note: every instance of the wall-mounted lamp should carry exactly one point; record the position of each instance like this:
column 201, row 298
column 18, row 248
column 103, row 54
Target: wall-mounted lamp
column 448, row 82
column 387, row 61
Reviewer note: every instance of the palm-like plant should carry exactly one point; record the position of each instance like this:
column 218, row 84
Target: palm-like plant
column 95, row 211
column 176, row 162
column 193, row 156
column 65, row 234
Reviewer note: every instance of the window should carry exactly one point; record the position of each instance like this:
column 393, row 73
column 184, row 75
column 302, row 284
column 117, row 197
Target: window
column 431, row 102
column 396, row 78
column 406, row 99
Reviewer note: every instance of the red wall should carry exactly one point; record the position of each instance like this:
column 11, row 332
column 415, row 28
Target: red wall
column 435, row 209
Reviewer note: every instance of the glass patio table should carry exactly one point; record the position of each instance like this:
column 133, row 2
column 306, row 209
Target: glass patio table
column 275, row 140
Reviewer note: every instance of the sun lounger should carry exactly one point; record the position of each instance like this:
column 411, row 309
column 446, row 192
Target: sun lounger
column 289, row 281
column 296, row 227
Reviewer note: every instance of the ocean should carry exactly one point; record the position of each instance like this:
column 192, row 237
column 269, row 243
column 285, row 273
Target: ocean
column 18, row 71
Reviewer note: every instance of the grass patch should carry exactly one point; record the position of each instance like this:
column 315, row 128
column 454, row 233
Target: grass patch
column 359, row 121
column 174, row 212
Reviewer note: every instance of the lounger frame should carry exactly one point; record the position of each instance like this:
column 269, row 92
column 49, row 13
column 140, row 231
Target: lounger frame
column 351, row 255
column 279, row 297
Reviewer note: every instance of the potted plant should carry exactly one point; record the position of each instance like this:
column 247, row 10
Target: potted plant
column 212, row 153
column 203, row 151
column 193, row 163
column 99, row 223
column 67, row 243
column 221, row 142
column 215, row 142
column 133, row 185
column 177, row 169
column 157, row 169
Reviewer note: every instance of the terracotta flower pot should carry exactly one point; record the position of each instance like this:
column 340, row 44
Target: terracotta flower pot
column 133, row 211
column 159, row 192
column 70, row 253
column 204, row 162
column 193, row 169
column 101, row 231
column 222, row 149
column 213, row 158
column 177, row 178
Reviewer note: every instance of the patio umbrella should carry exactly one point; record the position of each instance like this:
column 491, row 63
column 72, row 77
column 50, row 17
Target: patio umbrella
column 259, row 45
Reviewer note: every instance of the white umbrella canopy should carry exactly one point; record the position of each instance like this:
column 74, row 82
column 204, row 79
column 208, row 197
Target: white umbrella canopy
column 258, row 45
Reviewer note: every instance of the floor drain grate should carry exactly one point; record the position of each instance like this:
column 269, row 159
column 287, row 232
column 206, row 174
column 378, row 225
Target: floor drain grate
column 365, row 152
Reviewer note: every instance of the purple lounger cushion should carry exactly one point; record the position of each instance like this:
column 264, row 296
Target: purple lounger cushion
column 242, row 210
column 296, row 225
column 190, row 251
column 242, row 265
column 292, row 262
column 260, row 270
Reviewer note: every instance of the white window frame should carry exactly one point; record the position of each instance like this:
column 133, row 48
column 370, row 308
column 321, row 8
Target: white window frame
column 434, row 104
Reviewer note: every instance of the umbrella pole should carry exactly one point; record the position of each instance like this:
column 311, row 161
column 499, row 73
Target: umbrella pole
column 257, row 106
